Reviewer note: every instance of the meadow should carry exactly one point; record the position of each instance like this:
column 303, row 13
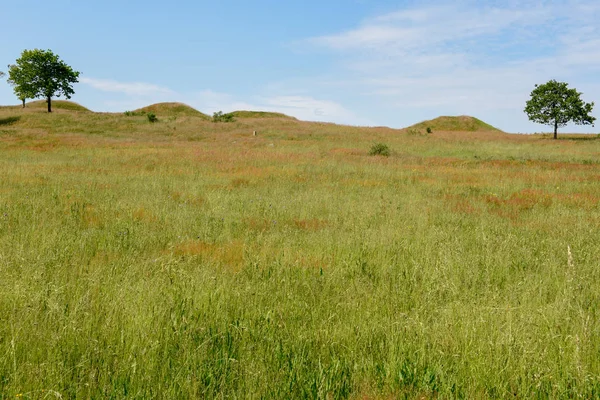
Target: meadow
column 191, row 259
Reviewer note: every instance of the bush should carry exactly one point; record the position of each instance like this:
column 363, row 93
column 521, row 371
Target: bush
column 429, row 130
column 380, row 149
column 134, row 113
column 152, row 117
column 220, row 117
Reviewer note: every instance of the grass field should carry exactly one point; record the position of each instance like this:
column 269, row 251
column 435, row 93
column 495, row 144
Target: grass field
column 188, row 259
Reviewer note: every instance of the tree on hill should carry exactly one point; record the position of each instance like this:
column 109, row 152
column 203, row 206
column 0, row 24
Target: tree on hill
column 554, row 104
column 41, row 73
column 20, row 90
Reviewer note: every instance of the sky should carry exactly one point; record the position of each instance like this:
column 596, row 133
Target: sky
column 354, row 62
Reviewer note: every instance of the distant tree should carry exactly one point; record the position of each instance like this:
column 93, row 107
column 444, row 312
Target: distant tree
column 554, row 104
column 41, row 73
column 220, row 117
column 17, row 90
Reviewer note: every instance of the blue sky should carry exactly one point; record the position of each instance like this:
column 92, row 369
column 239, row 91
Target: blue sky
column 358, row 62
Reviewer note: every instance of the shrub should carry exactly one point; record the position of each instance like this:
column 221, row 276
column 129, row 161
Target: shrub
column 220, row 117
column 380, row 149
column 429, row 130
column 152, row 117
column 134, row 113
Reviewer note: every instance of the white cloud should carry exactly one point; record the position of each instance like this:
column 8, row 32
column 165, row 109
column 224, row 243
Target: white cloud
column 311, row 109
column 138, row 95
column 128, row 88
column 431, row 25
column 305, row 108
column 469, row 57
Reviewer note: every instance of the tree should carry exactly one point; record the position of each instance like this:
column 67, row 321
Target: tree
column 41, row 73
column 220, row 117
column 554, row 104
column 19, row 90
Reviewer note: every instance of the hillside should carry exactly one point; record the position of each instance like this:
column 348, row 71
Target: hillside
column 259, row 114
column 56, row 105
column 461, row 123
column 173, row 109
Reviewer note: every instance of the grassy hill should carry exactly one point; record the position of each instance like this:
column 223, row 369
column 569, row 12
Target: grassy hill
column 56, row 105
column 455, row 124
column 259, row 114
column 173, row 109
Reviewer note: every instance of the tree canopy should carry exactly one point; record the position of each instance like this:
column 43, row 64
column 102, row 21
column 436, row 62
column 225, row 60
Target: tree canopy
column 555, row 104
column 41, row 73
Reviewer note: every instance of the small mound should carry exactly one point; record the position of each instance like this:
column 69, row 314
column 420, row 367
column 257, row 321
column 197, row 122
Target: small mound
column 58, row 105
column 259, row 114
column 173, row 109
column 462, row 123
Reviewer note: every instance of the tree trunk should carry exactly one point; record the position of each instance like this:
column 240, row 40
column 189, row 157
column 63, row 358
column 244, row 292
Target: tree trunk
column 555, row 130
column 49, row 101
column 23, row 102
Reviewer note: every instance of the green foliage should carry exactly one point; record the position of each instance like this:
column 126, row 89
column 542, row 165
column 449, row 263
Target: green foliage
column 555, row 104
column 9, row 120
column 380, row 149
column 220, row 117
column 135, row 113
column 152, row 117
column 41, row 73
column 429, row 129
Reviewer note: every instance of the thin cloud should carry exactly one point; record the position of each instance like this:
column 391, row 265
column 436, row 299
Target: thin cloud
column 311, row 109
column 128, row 88
column 467, row 57
column 427, row 26
column 305, row 108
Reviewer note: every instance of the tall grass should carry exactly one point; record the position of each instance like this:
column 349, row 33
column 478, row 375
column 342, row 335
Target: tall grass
column 188, row 259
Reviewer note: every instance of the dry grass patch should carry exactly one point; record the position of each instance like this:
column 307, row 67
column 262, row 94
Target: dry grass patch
column 312, row 224
column 142, row 214
column 229, row 255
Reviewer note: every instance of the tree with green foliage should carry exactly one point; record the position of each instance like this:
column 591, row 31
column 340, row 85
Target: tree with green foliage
column 555, row 104
column 20, row 90
column 41, row 73
column 220, row 117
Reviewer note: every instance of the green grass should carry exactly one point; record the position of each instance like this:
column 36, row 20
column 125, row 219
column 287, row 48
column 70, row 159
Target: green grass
column 455, row 124
column 173, row 110
column 259, row 114
column 58, row 105
column 186, row 259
